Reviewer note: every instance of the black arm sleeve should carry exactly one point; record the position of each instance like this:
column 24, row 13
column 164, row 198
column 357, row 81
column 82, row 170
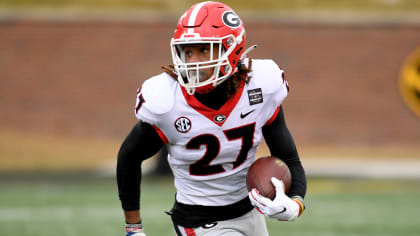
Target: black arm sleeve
column 141, row 143
column 281, row 144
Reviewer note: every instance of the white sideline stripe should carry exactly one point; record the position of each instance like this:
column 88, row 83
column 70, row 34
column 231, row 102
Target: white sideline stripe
column 395, row 168
column 193, row 16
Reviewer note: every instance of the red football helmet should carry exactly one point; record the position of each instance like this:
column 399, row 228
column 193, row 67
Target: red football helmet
column 214, row 24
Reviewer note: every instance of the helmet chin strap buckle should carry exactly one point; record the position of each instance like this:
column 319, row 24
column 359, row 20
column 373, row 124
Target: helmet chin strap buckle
column 190, row 91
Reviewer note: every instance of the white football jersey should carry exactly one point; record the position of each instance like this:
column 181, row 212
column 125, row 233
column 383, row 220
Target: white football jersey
column 210, row 150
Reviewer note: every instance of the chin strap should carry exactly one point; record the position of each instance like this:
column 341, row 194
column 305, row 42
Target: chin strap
column 248, row 50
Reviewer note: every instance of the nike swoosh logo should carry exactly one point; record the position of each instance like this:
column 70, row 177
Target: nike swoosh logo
column 210, row 225
column 284, row 209
column 246, row 114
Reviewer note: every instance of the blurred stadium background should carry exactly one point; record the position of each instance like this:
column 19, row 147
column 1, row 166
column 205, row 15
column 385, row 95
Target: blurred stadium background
column 69, row 70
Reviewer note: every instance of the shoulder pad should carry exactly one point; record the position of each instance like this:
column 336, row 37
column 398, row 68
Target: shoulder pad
column 267, row 75
column 157, row 93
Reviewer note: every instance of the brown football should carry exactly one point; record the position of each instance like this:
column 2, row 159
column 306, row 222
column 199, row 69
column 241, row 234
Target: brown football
column 260, row 173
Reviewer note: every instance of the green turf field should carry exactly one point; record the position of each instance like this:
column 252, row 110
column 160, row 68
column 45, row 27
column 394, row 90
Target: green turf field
column 89, row 206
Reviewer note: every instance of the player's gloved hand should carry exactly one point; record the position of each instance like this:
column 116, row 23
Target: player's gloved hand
column 134, row 230
column 281, row 208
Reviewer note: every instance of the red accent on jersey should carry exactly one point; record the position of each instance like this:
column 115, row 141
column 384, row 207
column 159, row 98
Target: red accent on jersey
column 210, row 113
column 190, row 232
column 273, row 117
column 161, row 134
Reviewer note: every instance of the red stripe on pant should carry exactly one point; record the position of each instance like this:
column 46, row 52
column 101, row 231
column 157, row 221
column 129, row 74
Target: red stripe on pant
column 190, row 232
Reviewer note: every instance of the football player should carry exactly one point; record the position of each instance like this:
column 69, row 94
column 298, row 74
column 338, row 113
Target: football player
column 211, row 109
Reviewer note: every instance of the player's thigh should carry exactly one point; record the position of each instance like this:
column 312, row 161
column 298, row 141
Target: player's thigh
column 260, row 226
column 250, row 224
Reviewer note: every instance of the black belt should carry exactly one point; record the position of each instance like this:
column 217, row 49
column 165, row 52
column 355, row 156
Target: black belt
column 192, row 216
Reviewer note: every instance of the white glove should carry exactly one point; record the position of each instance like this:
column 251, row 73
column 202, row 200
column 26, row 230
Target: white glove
column 134, row 230
column 281, row 208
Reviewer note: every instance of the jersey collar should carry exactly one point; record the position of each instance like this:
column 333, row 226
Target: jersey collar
column 216, row 116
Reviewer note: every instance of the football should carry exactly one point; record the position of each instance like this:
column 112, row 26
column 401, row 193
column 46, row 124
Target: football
column 260, row 173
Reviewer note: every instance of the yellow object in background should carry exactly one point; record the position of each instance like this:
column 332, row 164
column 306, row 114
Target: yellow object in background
column 410, row 82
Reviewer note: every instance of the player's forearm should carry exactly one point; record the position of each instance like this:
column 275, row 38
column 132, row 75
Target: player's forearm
column 128, row 179
column 281, row 144
column 142, row 143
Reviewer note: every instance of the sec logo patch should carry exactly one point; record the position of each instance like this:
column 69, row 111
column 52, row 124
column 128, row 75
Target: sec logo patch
column 183, row 124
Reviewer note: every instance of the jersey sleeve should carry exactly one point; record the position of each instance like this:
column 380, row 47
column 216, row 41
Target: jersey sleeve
column 154, row 98
column 269, row 76
column 278, row 83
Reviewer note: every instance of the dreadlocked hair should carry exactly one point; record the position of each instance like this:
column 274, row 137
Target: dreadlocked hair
column 235, row 81
column 170, row 70
column 232, row 84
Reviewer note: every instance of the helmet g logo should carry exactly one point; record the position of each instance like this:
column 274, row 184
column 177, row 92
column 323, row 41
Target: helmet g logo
column 230, row 19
